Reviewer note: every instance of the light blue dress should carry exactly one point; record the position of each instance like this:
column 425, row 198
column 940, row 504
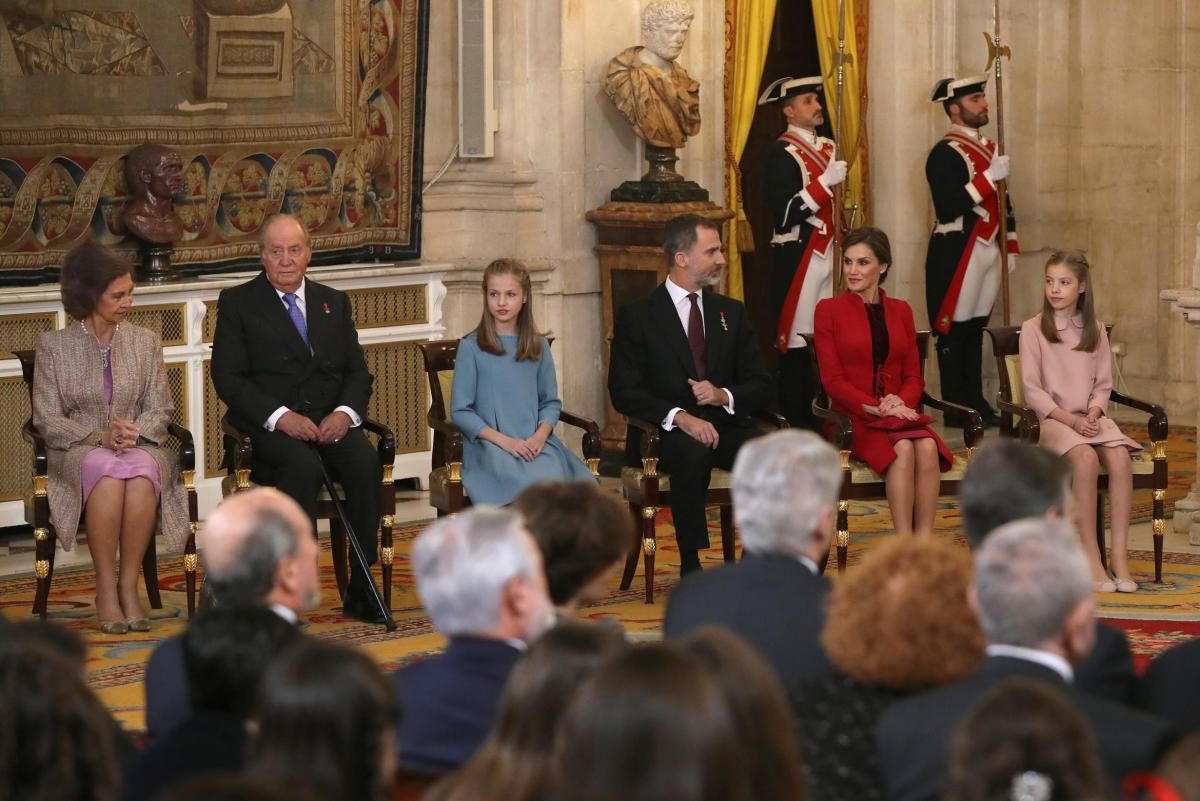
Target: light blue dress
column 513, row 398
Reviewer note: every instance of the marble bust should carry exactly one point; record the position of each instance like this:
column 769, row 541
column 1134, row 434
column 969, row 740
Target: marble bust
column 655, row 94
column 154, row 175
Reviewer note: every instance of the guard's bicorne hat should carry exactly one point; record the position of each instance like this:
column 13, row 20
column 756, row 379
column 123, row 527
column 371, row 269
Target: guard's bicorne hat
column 950, row 88
column 790, row 87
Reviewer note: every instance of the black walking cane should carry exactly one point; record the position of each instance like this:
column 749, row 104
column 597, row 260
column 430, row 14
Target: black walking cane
column 356, row 547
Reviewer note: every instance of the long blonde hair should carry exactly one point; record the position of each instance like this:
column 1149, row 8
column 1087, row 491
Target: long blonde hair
column 1077, row 263
column 529, row 340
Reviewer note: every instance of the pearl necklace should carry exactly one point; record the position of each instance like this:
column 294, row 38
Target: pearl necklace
column 105, row 350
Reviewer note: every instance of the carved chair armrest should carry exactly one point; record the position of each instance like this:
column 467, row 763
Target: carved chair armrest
column 451, row 434
column 591, row 432
column 843, row 429
column 972, row 421
column 1157, row 425
column 41, row 464
column 768, row 421
column 387, row 440
column 651, row 436
column 187, row 445
column 243, row 451
column 1030, row 425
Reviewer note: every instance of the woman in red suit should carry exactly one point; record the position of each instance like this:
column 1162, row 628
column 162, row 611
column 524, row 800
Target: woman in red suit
column 866, row 347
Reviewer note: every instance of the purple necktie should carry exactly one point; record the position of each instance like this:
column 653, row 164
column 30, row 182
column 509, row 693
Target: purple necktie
column 297, row 316
column 695, row 333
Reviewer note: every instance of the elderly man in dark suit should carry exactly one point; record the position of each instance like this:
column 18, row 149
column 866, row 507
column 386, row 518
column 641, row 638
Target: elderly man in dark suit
column 287, row 363
column 685, row 357
column 258, row 550
column 481, row 579
column 1011, row 480
column 1033, row 591
column 785, row 493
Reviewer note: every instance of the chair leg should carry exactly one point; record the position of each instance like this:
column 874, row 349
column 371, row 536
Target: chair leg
column 635, row 553
column 386, row 555
column 842, row 535
column 337, row 544
column 43, row 567
column 190, row 562
column 1159, row 524
column 1100, row 529
column 728, row 537
column 150, row 574
column 649, row 548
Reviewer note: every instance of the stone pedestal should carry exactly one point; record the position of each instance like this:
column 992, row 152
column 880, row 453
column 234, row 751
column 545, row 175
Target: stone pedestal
column 1187, row 511
column 244, row 55
column 629, row 244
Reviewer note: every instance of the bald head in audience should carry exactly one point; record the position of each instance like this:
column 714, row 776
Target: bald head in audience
column 259, row 548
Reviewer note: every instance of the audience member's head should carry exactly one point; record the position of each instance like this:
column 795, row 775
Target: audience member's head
column 1010, row 480
column 236, row 788
column 325, row 720
column 480, row 574
column 259, row 548
column 516, row 761
column 1033, row 588
column 63, row 641
column 582, row 532
column 225, row 652
column 901, row 619
column 55, row 735
column 652, row 724
column 1177, row 773
column 766, row 733
column 785, row 491
column 1024, row 742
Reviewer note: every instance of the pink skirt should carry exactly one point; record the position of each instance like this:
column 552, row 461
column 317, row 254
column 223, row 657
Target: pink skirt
column 99, row 463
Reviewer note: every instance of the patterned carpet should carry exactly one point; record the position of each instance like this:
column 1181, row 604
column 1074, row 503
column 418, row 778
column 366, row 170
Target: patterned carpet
column 1155, row 617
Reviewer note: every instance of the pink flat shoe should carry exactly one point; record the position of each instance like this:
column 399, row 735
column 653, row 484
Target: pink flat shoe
column 1126, row 585
column 1108, row 585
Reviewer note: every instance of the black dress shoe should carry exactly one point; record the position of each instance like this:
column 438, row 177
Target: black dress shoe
column 359, row 604
column 991, row 419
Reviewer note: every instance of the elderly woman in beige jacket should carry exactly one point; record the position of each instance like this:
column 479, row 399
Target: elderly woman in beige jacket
column 100, row 400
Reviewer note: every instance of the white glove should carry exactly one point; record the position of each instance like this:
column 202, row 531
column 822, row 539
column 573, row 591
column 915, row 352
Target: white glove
column 1012, row 262
column 834, row 174
column 997, row 171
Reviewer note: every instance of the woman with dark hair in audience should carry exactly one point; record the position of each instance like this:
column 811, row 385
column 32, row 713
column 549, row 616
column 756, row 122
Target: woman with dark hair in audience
column 897, row 624
column 325, row 720
column 1024, row 742
column 100, row 400
column 56, row 738
column 651, row 725
column 583, row 534
column 866, row 347
column 515, row 762
column 767, row 736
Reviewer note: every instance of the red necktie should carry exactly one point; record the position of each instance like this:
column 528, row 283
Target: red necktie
column 695, row 333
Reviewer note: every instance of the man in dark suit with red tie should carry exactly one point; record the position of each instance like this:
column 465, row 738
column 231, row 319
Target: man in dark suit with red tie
column 685, row 357
column 287, row 363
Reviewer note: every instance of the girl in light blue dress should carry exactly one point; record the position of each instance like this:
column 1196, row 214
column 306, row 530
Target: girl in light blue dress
column 505, row 396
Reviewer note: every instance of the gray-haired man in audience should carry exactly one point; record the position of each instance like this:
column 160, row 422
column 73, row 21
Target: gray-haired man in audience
column 1033, row 591
column 481, row 580
column 258, row 548
column 785, row 492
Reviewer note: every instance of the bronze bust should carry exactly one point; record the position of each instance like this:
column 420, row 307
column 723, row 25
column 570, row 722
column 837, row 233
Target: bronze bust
column 154, row 175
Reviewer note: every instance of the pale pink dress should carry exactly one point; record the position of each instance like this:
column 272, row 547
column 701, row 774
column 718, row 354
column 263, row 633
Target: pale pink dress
column 1055, row 374
column 101, row 462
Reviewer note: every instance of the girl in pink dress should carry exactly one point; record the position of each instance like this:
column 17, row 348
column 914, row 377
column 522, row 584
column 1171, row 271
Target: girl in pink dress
column 1066, row 369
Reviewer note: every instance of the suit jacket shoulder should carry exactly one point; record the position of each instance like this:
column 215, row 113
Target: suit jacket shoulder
column 775, row 603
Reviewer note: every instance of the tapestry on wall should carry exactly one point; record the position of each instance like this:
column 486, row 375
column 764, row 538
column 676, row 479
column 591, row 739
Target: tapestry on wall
column 310, row 107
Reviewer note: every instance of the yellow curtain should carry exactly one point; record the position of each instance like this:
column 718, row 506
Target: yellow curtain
column 853, row 144
column 748, row 26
